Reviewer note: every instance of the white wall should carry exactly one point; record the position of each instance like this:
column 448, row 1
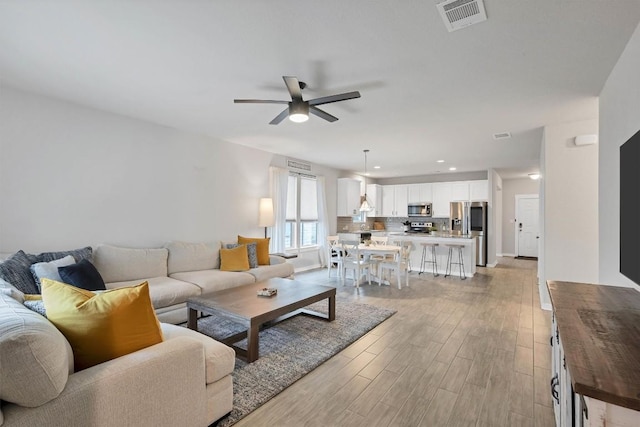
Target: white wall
column 494, row 234
column 571, row 204
column 510, row 188
column 73, row 176
column 619, row 119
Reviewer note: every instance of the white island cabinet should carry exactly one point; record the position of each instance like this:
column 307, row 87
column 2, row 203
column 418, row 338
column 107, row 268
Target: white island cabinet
column 468, row 252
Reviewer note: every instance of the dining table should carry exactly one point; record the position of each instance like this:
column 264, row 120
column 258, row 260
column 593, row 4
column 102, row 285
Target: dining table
column 373, row 249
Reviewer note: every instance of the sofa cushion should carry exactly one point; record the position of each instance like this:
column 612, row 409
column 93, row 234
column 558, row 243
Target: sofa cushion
column 15, row 270
column 263, row 248
column 215, row 280
column 219, row 358
column 102, row 326
column 77, row 254
column 82, row 275
column 7, row 288
column 117, row 264
column 185, row 256
column 49, row 270
column 265, row 272
column 33, row 356
column 164, row 291
column 234, row 259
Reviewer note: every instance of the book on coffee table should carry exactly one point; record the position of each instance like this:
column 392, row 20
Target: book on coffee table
column 267, row 292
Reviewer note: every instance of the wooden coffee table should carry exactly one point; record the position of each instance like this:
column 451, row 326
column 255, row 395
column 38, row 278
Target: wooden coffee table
column 244, row 305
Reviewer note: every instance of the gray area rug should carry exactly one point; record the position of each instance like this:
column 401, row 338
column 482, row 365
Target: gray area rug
column 290, row 349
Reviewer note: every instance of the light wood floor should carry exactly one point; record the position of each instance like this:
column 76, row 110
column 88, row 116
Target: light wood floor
column 457, row 353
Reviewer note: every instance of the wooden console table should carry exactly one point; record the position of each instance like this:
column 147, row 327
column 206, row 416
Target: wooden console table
column 596, row 354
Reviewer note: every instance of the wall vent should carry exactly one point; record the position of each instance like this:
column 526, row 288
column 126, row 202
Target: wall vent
column 502, row 135
column 458, row 14
column 299, row 165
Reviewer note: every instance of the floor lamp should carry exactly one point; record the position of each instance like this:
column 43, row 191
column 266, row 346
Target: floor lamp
column 265, row 214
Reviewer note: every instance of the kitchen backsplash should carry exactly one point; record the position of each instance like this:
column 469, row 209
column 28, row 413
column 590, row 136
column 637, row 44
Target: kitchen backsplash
column 345, row 223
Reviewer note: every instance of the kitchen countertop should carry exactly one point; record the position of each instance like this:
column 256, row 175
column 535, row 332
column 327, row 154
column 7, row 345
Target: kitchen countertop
column 435, row 234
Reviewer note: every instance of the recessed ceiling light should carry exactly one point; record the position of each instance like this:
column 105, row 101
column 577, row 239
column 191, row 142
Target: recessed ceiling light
column 376, row 167
column 452, row 168
column 534, row 176
column 439, row 161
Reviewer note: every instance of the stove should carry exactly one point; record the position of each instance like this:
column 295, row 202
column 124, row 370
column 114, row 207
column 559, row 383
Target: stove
column 420, row 227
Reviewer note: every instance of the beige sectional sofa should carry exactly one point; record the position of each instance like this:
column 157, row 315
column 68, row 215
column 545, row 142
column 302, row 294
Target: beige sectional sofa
column 176, row 272
column 184, row 380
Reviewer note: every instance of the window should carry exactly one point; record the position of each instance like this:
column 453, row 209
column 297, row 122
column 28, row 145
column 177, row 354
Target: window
column 301, row 230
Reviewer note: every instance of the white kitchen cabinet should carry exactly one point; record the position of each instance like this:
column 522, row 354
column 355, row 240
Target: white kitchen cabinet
column 460, row 191
column 479, row 191
column 348, row 197
column 374, row 194
column 442, row 193
column 394, row 200
column 418, row 193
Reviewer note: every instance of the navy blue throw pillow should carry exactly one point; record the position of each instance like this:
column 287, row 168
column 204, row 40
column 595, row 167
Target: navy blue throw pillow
column 82, row 275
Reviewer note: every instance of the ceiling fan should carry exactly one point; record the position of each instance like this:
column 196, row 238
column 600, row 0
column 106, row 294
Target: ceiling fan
column 299, row 109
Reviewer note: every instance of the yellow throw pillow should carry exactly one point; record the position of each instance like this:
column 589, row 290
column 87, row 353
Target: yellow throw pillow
column 262, row 248
column 235, row 259
column 102, row 326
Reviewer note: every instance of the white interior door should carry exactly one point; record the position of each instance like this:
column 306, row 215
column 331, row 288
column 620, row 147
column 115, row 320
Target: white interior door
column 527, row 228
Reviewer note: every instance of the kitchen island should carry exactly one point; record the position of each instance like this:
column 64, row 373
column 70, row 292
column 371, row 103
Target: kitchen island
column 442, row 239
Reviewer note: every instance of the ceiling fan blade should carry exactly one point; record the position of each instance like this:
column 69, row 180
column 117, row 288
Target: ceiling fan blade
column 323, row 114
column 259, row 101
column 280, row 117
column 334, row 98
column 293, row 85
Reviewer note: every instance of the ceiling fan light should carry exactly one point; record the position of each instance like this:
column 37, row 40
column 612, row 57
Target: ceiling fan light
column 299, row 113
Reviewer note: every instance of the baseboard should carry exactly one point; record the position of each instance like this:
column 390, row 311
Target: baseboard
column 492, row 265
column 509, row 255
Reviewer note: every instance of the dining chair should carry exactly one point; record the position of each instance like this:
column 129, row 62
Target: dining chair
column 352, row 260
column 400, row 263
column 334, row 255
column 375, row 258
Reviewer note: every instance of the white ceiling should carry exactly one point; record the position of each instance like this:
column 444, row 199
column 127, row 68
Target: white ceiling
column 427, row 94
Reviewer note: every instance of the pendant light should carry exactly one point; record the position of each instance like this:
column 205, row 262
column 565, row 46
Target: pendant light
column 365, row 206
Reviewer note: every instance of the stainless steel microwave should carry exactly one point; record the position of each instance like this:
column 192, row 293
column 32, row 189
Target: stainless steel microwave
column 419, row 209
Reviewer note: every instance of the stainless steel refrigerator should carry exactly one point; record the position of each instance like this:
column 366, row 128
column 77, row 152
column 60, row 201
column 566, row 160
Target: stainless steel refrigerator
column 470, row 218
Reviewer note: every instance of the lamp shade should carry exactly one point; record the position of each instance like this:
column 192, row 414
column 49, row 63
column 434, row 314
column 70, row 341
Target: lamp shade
column 265, row 213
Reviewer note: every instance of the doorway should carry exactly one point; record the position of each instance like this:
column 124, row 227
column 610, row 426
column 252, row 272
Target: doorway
column 527, row 225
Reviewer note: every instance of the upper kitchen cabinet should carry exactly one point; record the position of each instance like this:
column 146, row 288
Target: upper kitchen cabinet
column 420, row 192
column 348, row 197
column 479, row 191
column 442, row 196
column 374, row 194
column 394, row 200
column 460, row 191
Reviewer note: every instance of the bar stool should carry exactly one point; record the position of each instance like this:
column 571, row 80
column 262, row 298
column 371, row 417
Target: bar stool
column 425, row 248
column 460, row 262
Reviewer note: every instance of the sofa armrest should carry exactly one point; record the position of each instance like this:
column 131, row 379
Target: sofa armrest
column 160, row 385
column 275, row 259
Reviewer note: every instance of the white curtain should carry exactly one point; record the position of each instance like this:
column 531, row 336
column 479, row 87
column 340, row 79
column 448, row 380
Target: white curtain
column 323, row 220
column 279, row 183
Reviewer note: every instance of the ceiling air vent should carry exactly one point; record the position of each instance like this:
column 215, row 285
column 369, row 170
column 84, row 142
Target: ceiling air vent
column 298, row 165
column 502, row 135
column 458, row 14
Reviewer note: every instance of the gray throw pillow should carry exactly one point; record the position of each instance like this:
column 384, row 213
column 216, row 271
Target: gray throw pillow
column 77, row 254
column 252, row 252
column 15, row 270
column 37, row 306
